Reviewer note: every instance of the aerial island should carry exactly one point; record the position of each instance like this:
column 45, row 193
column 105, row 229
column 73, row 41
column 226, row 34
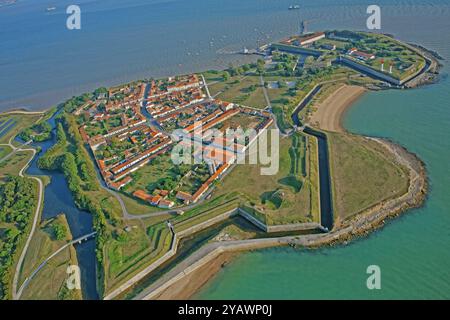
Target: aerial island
column 161, row 229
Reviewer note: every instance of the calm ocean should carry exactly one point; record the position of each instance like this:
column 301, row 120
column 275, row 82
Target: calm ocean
column 42, row 63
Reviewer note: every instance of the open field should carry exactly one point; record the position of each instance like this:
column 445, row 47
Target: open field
column 212, row 76
column 150, row 174
column 12, row 124
column 13, row 164
column 281, row 89
column 242, row 90
column 363, row 174
column 240, row 120
column 4, row 150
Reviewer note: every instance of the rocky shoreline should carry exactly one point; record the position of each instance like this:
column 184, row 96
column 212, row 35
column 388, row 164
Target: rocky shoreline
column 431, row 75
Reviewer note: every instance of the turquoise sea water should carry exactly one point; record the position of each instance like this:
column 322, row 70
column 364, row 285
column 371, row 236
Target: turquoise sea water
column 41, row 63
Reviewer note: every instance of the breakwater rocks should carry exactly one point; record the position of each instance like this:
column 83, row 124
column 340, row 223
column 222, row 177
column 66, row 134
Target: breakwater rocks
column 431, row 73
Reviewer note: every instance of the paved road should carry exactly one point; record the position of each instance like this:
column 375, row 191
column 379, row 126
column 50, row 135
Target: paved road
column 206, row 87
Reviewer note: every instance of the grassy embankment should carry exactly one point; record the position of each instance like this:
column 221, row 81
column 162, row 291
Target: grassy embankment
column 50, row 281
column 363, row 174
column 289, row 196
column 122, row 265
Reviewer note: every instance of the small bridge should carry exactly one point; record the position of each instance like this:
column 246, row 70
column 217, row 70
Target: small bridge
column 42, row 265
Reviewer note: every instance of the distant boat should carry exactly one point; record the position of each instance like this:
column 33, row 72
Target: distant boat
column 50, row 9
column 294, row 7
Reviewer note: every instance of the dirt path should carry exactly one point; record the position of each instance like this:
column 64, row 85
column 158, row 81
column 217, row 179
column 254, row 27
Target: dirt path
column 15, row 283
column 15, row 293
column 331, row 111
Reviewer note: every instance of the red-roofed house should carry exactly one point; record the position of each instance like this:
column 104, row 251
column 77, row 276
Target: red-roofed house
column 166, row 204
column 184, row 196
column 360, row 55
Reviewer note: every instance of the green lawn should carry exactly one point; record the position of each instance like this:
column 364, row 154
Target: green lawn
column 13, row 164
column 212, row 76
column 4, row 150
column 241, row 90
column 363, row 174
column 150, row 173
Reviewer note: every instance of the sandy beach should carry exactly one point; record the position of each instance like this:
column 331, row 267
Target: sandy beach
column 331, row 111
column 190, row 284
